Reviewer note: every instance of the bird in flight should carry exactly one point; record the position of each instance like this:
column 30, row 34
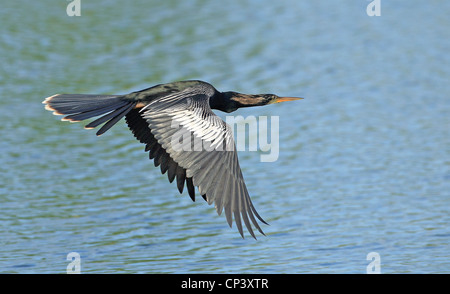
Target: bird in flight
column 170, row 119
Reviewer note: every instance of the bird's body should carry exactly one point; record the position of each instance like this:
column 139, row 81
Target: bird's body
column 183, row 136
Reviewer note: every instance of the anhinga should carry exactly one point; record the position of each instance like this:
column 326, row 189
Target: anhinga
column 156, row 114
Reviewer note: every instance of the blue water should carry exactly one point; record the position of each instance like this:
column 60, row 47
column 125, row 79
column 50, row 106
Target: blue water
column 364, row 160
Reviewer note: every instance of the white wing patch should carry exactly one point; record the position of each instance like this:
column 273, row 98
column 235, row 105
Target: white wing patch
column 178, row 124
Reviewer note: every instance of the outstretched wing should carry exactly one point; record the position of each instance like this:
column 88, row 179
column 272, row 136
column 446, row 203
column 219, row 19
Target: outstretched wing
column 187, row 137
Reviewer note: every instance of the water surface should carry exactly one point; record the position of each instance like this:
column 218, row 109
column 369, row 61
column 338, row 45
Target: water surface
column 364, row 163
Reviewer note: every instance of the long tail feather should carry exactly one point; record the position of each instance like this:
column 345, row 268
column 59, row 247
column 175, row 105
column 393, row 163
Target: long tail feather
column 78, row 107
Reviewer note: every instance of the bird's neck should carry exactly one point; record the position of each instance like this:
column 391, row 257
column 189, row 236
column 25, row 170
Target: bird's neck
column 222, row 101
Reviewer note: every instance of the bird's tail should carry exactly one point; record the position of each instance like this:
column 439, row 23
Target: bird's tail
column 78, row 107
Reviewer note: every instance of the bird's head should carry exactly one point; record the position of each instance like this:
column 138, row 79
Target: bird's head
column 234, row 100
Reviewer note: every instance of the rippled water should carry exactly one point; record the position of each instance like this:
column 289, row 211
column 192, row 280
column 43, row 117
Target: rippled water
column 364, row 163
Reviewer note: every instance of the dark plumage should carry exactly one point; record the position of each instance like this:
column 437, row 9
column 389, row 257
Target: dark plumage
column 170, row 119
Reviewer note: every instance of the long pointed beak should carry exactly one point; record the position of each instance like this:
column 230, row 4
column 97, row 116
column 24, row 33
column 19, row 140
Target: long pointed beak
column 284, row 99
